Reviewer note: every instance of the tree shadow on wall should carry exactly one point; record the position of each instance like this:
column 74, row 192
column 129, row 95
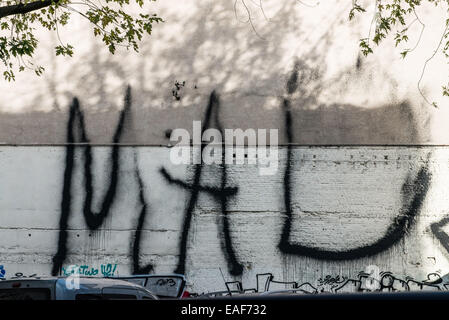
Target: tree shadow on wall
column 219, row 50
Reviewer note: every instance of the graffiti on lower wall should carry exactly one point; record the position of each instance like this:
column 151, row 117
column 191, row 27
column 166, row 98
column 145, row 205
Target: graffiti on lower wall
column 105, row 270
column 364, row 282
column 17, row 275
column 93, row 219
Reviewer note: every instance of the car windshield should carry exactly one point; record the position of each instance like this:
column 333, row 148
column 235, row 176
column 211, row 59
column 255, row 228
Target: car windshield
column 25, row 294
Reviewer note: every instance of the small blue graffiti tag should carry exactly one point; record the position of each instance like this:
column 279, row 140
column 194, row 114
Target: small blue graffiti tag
column 107, row 270
column 2, row 272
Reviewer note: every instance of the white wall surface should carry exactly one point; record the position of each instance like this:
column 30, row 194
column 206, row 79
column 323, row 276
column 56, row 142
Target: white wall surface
column 342, row 198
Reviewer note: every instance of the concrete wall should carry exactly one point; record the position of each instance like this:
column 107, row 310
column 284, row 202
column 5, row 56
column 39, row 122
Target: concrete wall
column 341, row 96
column 362, row 171
column 349, row 208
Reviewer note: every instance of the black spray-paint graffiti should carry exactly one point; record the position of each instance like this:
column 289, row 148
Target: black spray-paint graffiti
column 413, row 195
column 440, row 234
column 365, row 282
column 137, row 269
column 221, row 194
column 93, row 220
column 388, row 282
column 16, row 275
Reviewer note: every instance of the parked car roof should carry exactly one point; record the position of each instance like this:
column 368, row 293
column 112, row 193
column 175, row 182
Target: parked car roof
column 68, row 288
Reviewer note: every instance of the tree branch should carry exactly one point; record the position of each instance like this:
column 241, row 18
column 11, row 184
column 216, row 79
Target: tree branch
column 25, row 8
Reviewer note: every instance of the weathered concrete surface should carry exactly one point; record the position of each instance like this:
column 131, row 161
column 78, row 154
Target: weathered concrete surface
column 349, row 207
column 341, row 97
column 342, row 198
